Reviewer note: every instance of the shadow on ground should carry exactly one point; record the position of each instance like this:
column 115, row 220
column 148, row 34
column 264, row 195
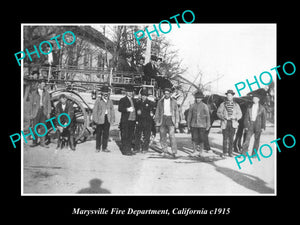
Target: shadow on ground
column 94, row 188
column 248, row 181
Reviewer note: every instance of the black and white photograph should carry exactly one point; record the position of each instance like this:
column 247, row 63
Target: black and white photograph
column 136, row 109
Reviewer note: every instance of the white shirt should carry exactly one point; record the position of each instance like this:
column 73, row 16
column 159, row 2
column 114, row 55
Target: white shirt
column 254, row 112
column 41, row 96
column 63, row 106
column 167, row 107
column 105, row 100
column 50, row 58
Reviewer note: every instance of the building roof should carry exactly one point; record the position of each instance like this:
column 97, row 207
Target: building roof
column 94, row 36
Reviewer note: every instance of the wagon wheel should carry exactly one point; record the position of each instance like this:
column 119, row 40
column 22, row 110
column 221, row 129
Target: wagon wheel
column 81, row 117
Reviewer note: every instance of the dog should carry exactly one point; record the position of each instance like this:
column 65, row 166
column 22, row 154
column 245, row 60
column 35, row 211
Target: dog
column 63, row 138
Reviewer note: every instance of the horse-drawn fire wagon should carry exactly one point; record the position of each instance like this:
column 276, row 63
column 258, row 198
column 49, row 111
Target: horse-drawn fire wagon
column 81, row 87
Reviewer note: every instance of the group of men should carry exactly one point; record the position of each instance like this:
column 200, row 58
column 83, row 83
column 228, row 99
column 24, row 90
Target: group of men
column 138, row 116
column 137, row 119
column 229, row 112
column 149, row 71
column 40, row 109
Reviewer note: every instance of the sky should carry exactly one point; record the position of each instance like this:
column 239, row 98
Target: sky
column 234, row 51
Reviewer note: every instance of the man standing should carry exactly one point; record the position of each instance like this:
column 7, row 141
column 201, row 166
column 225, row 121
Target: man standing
column 140, row 70
column 254, row 123
column 198, row 121
column 145, row 112
column 65, row 107
column 150, row 71
column 126, row 65
column 128, row 119
column 167, row 118
column 140, row 65
column 229, row 112
column 103, row 116
column 40, row 109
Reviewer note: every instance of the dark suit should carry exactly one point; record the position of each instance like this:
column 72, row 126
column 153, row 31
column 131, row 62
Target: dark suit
column 39, row 113
column 69, row 130
column 126, row 126
column 254, row 127
column 150, row 72
column 124, row 66
column 144, row 124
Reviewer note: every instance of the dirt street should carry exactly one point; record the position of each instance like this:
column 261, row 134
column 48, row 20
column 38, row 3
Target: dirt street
column 51, row 171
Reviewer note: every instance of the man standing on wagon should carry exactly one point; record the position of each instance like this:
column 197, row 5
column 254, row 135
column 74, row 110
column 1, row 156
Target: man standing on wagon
column 229, row 112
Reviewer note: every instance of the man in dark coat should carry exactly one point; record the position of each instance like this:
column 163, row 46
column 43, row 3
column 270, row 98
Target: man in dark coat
column 40, row 109
column 145, row 112
column 138, row 79
column 126, row 65
column 150, row 70
column 128, row 120
column 254, row 123
column 198, row 121
column 65, row 106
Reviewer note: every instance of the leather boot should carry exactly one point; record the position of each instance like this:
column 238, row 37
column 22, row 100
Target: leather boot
column 34, row 143
column 58, row 143
column 42, row 142
column 72, row 143
column 194, row 147
column 200, row 148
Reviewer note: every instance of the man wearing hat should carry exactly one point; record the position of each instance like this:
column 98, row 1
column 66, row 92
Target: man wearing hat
column 254, row 123
column 150, row 70
column 198, row 121
column 167, row 118
column 125, row 64
column 145, row 112
column 229, row 112
column 103, row 116
column 40, row 109
column 128, row 120
column 65, row 106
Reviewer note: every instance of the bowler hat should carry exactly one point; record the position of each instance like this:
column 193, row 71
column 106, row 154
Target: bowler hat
column 144, row 92
column 141, row 57
column 129, row 88
column 62, row 96
column 153, row 57
column 104, row 89
column 168, row 89
column 199, row 94
column 255, row 95
column 230, row 92
column 128, row 54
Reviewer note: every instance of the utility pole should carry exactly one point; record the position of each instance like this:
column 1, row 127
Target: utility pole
column 105, row 64
column 148, row 51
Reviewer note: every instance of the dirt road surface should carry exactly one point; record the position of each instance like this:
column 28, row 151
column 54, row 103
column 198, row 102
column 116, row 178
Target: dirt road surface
column 51, row 171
